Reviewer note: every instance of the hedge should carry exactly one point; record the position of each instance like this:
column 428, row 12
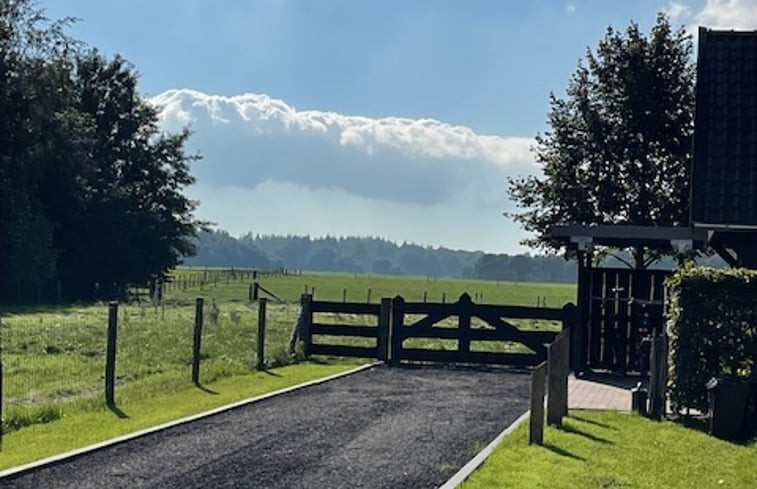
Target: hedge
column 712, row 325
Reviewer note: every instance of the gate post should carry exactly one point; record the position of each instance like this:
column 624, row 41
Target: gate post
column 306, row 302
column 464, row 314
column 397, row 325
column 384, row 321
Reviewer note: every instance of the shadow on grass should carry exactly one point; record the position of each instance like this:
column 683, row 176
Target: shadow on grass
column 115, row 410
column 205, row 389
column 592, row 422
column 571, row 429
column 272, row 374
column 561, row 451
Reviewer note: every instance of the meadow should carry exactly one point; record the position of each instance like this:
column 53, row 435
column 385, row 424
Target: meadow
column 53, row 357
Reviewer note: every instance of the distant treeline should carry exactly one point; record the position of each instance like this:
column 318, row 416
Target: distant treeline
column 373, row 255
column 380, row 256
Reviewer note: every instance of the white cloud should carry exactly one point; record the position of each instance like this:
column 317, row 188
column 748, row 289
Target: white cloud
column 719, row 14
column 729, row 14
column 426, row 137
column 677, row 10
column 269, row 167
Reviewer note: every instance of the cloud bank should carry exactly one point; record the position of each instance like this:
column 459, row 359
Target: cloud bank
column 321, row 172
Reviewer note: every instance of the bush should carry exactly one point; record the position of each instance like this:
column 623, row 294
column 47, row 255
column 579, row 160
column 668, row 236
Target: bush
column 712, row 323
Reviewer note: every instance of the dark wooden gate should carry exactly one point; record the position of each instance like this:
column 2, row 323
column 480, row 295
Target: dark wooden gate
column 493, row 339
column 624, row 305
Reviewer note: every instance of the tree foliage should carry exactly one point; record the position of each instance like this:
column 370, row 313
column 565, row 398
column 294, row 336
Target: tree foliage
column 619, row 147
column 91, row 191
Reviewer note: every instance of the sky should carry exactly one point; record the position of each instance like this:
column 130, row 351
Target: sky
column 393, row 118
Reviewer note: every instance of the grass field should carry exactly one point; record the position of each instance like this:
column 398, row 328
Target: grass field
column 614, row 450
column 54, row 357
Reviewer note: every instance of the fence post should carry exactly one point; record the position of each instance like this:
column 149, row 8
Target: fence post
column 397, row 324
column 197, row 341
column 110, row 355
column 344, row 295
column 307, row 323
column 385, row 311
column 536, row 421
column 558, row 354
column 1, row 382
column 368, row 299
column 261, row 333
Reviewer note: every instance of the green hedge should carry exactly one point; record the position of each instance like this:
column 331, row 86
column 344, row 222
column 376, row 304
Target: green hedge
column 712, row 323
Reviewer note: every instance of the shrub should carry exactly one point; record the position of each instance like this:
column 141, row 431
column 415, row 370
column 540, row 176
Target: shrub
column 712, row 323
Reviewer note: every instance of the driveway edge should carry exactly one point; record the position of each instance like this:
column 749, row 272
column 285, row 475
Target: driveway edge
column 481, row 456
column 62, row 457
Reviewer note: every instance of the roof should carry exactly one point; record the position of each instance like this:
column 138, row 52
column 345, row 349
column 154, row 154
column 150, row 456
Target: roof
column 724, row 172
column 623, row 236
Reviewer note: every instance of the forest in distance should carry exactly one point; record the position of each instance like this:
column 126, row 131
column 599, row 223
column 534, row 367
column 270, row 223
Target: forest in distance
column 383, row 257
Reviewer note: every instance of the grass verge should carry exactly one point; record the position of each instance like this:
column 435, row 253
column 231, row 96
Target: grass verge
column 82, row 428
column 612, row 450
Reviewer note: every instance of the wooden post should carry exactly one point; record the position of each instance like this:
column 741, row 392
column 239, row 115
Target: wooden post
column 1, row 383
column 464, row 314
column 261, row 333
column 444, row 297
column 425, row 296
column 196, row 345
column 368, row 299
column 657, row 377
column 255, row 291
column 344, row 295
column 306, row 302
column 385, row 311
column 558, row 355
column 397, row 324
column 110, row 355
column 536, row 422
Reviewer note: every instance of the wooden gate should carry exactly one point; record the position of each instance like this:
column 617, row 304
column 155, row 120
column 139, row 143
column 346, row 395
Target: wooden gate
column 418, row 331
column 493, row 339
column 624, row 305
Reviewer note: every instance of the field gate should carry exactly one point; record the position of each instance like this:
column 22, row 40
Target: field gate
column 416, row 331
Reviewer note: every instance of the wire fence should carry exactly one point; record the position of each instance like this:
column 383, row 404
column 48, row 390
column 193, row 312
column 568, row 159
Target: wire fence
column 53, row 359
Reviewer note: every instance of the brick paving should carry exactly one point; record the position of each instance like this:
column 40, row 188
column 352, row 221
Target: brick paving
column 600, row 392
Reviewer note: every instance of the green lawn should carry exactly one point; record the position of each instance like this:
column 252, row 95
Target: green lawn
column 614, row 450
column 81, row 427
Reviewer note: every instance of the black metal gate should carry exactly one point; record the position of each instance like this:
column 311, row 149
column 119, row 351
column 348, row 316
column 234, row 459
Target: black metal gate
column 622, row 307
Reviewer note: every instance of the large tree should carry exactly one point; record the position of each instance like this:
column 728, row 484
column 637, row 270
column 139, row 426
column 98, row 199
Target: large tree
column 619, row 147
column 91, row 190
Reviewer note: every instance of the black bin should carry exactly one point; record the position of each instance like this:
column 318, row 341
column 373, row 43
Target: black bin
column 728, row 399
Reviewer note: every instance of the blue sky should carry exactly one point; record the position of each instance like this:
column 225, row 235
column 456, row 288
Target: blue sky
column 425, row 107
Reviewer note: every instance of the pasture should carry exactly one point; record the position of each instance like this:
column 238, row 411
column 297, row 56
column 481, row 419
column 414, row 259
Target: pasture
column 53, row 357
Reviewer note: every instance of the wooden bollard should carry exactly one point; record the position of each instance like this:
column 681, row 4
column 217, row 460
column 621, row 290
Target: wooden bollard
column 536, row 422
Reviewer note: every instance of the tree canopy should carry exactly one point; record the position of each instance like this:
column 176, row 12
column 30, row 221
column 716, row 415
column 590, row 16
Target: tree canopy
column 619, row 148
column 91, row 190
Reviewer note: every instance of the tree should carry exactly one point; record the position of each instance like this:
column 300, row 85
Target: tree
column 91, row 190
column 619, row 148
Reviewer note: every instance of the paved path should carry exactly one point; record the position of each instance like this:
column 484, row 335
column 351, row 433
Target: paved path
column 600, row 392
column 380, row 428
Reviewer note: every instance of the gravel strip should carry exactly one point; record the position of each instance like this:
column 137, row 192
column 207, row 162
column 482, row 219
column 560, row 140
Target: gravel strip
column 381, row 428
